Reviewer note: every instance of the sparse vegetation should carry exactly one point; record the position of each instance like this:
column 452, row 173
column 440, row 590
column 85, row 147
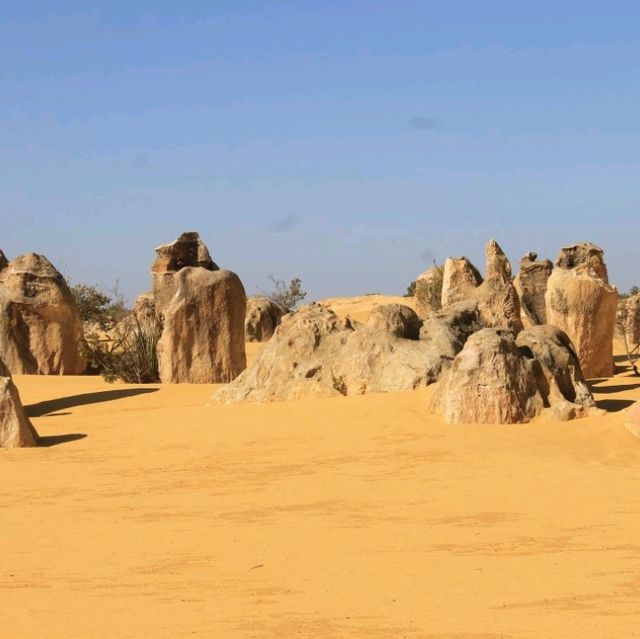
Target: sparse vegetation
column 116, row 344
column 287, row 296
column 129, row 352
column 97, row 307
column 411, row 290
column 634, row 290
column 429, row 290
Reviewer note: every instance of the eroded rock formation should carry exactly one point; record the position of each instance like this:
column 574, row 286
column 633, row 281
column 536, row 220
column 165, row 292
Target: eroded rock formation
column 531, row 286
column 396, row 319
column 428, row 291
column 580, row 301
column 40, row 327
column 497, row 298
column 314, row 352
column 263, row 316
column 497, row 379
column 489, row 382
column 460, row 279
column 202, row 309
column 15, row 428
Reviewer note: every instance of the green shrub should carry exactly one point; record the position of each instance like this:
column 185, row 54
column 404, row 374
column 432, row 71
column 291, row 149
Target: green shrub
column 128, row 353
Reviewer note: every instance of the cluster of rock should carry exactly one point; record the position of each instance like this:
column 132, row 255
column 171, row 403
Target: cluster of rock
column 500, row 379
column 40, row 326
column 574, row 295
column 497, row 299
column 15, row 428
column 201, row 308
column 505, row 349
column 313, row 352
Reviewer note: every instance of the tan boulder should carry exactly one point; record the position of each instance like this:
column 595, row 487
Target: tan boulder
column 316, row 353
column 262, row 318
column 629, row 319
column 428, row 291
column 446, row 332
column 580, row 301
column 15, row 428
column 187, row 250
column 531, row 285
column 460, row 278
column 489, row 382
column 563, row 386
column 40, row 326
column 396, row 319
column 203, row 334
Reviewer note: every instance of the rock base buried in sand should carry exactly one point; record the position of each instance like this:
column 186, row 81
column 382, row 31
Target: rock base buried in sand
column 316, row 353
column 499, row 380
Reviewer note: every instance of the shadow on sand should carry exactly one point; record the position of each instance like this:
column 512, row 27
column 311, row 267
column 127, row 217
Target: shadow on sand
column 614, row 405
column 54, row 440
column 54, row 405
column 605, row 390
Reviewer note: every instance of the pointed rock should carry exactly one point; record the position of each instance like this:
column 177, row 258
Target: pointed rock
column 15, row 428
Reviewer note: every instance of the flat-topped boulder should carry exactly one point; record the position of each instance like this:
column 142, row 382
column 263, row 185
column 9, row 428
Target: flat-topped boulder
column 16, row 430
column 187, row 250
column 580, row 301
column 202, row 310
column 460, row 279
column 202, row 339
column 40, row 326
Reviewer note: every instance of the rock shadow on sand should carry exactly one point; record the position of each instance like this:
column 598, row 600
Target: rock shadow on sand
column 614, row 405
column 54, row 405
column 54, row 440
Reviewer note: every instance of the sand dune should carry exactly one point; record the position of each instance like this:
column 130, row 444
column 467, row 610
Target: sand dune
column 153, row 514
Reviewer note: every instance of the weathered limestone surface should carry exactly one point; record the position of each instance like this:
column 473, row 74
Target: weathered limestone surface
column 203, row 333
column 396, row 319
column 15, row 428
column 314, row 352
column 263, row 317
column 531, row 286
column 40, row 326
column 580, row 301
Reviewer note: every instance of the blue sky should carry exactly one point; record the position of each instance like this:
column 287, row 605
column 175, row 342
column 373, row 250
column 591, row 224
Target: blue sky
column 347, row 143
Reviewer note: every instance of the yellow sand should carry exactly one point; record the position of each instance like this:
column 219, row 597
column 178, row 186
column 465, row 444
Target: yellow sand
column 359, row 308
column 351, row 517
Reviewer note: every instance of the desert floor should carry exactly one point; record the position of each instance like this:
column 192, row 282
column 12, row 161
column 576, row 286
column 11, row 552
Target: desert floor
column 151, row 513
